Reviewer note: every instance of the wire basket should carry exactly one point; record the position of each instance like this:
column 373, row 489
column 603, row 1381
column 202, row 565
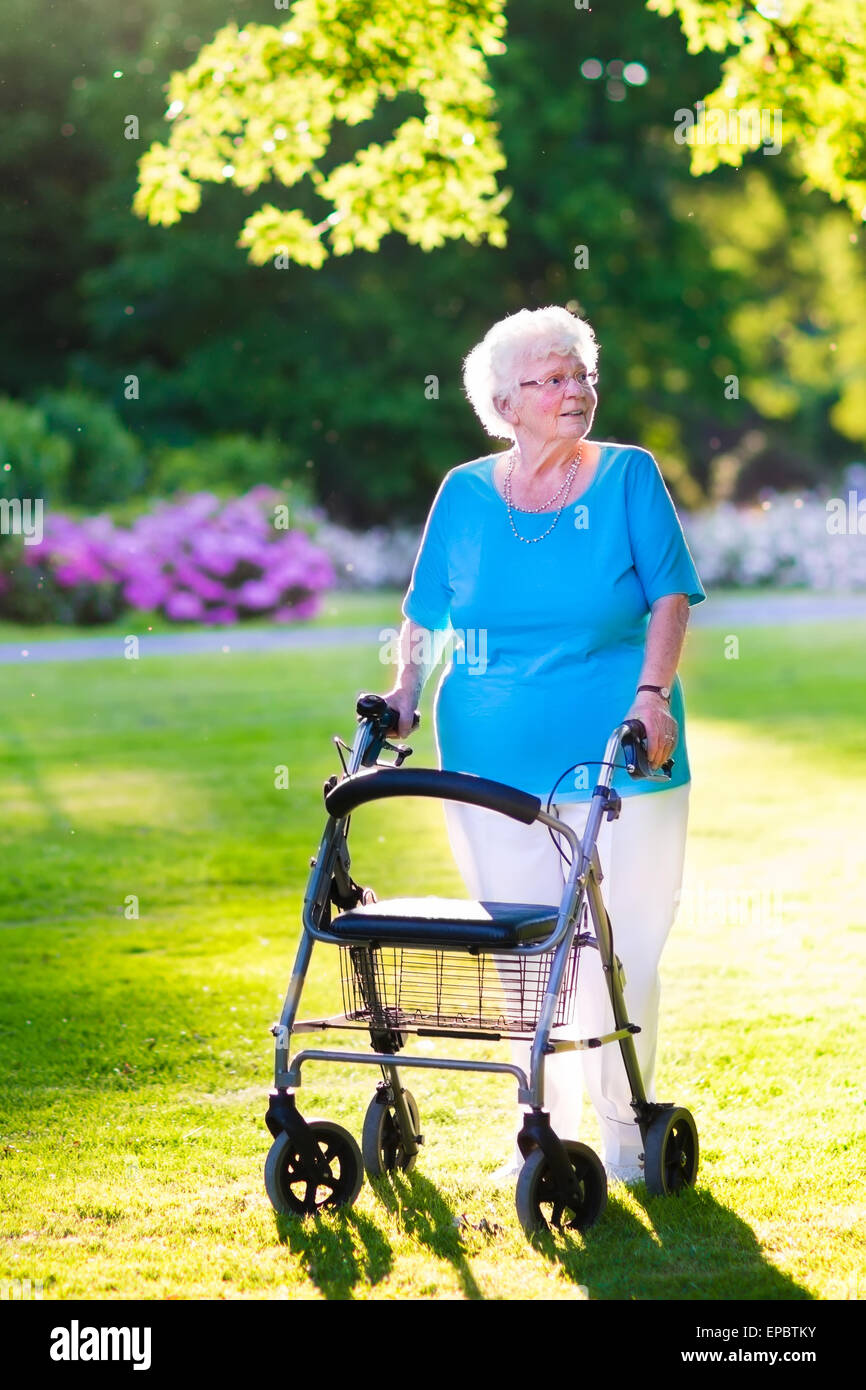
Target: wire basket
column 401, row 987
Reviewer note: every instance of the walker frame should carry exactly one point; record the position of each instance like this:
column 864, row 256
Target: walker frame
column 317, row 1164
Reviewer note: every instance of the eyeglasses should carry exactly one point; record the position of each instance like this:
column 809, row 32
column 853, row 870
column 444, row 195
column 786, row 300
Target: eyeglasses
column 558, row 381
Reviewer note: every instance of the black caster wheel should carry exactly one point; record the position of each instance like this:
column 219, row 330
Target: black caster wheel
column 671, row 1153
column 539, row 1204
column 295, row 1189
column 381, row 1143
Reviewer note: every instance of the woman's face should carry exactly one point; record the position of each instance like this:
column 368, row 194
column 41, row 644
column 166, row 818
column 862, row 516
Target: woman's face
column 563, row 405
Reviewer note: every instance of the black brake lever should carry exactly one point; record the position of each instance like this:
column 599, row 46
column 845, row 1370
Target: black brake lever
column 402, row 750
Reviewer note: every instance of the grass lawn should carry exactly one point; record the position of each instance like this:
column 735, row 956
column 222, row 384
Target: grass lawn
column 339, row 609
column 135, row 1055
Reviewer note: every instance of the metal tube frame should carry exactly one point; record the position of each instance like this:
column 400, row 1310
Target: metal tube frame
column 582, row 886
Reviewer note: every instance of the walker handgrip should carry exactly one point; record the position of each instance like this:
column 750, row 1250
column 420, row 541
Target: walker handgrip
column 375, row 707
column 423, row 781
column 637, row 762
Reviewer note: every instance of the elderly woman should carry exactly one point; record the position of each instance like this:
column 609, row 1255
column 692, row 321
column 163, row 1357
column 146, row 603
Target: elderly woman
column 560, row 561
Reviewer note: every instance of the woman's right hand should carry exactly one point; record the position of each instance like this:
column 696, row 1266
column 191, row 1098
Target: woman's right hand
column 402, row 702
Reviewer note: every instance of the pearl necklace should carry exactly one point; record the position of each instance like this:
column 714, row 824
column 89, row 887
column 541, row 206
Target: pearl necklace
column 509, row 500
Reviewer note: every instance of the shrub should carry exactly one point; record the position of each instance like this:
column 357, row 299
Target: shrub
column 107, row 463
column 381, row 558
column 196, row 559
column 235, row 462
column 34, row 596
column 33, row 461
column 784, row 542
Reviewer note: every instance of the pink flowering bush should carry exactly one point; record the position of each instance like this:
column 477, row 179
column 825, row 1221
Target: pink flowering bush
column 197, row 559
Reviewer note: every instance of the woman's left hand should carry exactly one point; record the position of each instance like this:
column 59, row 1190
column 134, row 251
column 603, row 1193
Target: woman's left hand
column 662, row 730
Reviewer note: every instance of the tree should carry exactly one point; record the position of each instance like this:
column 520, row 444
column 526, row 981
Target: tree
column 804, row 75
column 801, row 60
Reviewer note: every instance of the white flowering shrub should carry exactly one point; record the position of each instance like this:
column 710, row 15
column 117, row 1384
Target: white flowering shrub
column 381, row 558
column 787, row 540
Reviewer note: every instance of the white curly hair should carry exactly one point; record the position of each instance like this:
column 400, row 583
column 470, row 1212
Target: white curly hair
column 494, row 368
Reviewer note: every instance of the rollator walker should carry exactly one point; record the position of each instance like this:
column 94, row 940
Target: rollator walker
column 448, row 968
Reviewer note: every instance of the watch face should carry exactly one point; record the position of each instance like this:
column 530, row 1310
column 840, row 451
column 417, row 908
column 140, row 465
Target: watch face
column 665, row 692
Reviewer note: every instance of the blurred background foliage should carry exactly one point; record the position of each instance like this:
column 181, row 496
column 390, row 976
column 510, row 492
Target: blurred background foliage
column 262, row 374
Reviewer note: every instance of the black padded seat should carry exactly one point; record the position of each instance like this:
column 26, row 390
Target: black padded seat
column 445, row 923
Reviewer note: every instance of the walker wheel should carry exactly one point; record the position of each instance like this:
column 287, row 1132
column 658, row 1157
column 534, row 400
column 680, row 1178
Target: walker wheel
column 540, row 1205
column 296, row 1189
column 381, row 1140
column 671, row 1158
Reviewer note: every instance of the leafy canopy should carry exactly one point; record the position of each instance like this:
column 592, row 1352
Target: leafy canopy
column 803, row 58
column 259, row 104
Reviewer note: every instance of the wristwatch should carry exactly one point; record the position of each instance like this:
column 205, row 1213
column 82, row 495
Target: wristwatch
column 663, row 690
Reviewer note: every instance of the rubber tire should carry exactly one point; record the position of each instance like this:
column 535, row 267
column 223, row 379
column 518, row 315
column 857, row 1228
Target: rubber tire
column 671, row 1154
column 282, row 1163
column 534, row 1188
column 380, row 1144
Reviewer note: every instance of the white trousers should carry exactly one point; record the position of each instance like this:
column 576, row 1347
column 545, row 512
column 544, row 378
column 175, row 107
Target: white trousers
column 642, row 855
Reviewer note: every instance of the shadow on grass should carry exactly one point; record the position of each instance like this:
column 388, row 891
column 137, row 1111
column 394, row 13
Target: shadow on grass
column 327, row 1246
column 423, row 1212
column 21, row 751
column 688, row 1247
column 328, row 1249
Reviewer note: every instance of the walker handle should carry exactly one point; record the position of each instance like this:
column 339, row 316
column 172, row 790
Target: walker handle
column 636, row 760
column 374, row 707
column 383, row 719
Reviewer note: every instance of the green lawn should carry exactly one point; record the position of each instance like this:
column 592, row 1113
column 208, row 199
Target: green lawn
column 135, row 1055
column 339, row 609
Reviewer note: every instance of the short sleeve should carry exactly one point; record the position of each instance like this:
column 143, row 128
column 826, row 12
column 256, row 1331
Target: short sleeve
column 662, row 559
column 428, row 600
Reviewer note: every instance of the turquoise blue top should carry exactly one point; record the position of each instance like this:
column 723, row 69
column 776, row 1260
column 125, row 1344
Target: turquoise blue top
column 549, row 638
